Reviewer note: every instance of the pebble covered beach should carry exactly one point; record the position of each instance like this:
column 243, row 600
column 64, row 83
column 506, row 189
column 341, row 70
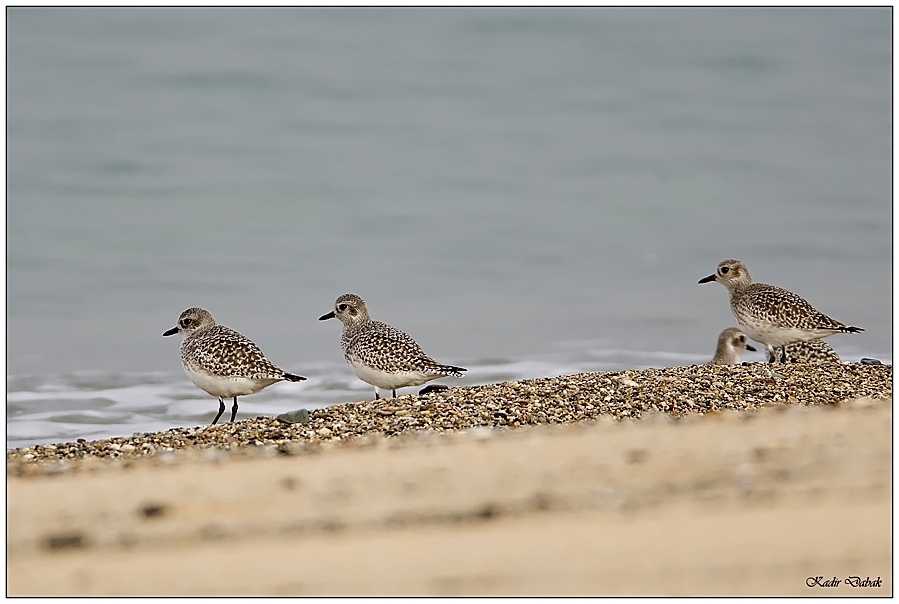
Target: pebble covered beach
column 648, row 482
column 672, row 392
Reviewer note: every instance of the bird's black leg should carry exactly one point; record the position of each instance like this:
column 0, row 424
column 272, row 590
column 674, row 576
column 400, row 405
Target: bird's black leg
column 221, row 410
column 234, row 410
column 394, row 394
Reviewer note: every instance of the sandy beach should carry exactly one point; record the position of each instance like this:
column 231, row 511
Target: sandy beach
column 739, row 482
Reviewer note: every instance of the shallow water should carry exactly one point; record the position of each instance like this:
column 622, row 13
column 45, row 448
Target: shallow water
column 541, row 187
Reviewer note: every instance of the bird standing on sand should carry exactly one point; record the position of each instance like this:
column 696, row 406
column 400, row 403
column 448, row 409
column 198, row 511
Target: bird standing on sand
column 221, row 361
column 731, row 344
column 772, row 315
column 381, row 355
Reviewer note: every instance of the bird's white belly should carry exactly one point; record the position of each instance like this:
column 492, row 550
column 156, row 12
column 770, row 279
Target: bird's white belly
column 226, row 387
column 779, row 336
column 391, row 381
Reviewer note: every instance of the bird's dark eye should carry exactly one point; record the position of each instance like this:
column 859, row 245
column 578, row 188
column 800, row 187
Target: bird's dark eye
column 187, row 322
column 742, row 339
column 724, row 270
column 341, row 307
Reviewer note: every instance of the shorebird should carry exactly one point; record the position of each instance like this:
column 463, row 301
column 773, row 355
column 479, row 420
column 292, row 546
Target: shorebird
column 771, row 315
column 222, row 362
column 816, row 351
column 731, row 344
column 381, row 355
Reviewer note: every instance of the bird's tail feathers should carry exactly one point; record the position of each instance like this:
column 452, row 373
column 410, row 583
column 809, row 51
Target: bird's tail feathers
column 293, row 378
column 452, row 370
column 842, row 328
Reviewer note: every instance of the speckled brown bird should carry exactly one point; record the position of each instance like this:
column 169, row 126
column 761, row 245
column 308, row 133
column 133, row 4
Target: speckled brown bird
column 772, row 315
column 816, row 351
column 221, row 361
column 381, row 355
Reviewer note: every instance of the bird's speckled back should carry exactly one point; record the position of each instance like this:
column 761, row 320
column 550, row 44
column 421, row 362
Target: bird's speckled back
column 224, row 352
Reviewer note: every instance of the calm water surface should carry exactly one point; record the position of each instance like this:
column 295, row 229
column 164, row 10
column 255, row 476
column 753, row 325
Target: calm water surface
column 528, row 192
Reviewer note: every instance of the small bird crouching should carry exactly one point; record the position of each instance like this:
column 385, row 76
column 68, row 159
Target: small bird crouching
column 731, row 344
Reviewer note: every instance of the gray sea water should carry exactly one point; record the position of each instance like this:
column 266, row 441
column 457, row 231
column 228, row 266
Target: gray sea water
column 527, row 192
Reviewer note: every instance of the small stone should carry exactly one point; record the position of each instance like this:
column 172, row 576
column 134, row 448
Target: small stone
column 64, row 541
column 154, row 510
column 324, row 432
column 127, row 448
column 432, row 388
column 300, row 416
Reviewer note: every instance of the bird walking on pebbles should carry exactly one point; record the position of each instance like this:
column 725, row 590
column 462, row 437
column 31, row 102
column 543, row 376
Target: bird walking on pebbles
column 772, row 315
column 381, row 355
column 731, row 344
column 221, row 361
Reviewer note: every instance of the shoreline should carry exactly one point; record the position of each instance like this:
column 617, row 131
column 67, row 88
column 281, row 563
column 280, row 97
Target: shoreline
column 753, row 500
column 672, row 392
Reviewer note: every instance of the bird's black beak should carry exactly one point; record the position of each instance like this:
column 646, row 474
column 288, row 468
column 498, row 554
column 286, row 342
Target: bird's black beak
column 330, row 315
column 707, row 279
column 750, row 347
column 171, row 332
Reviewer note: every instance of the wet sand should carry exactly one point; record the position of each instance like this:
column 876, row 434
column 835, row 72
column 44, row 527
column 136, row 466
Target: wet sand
column 757, row 501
